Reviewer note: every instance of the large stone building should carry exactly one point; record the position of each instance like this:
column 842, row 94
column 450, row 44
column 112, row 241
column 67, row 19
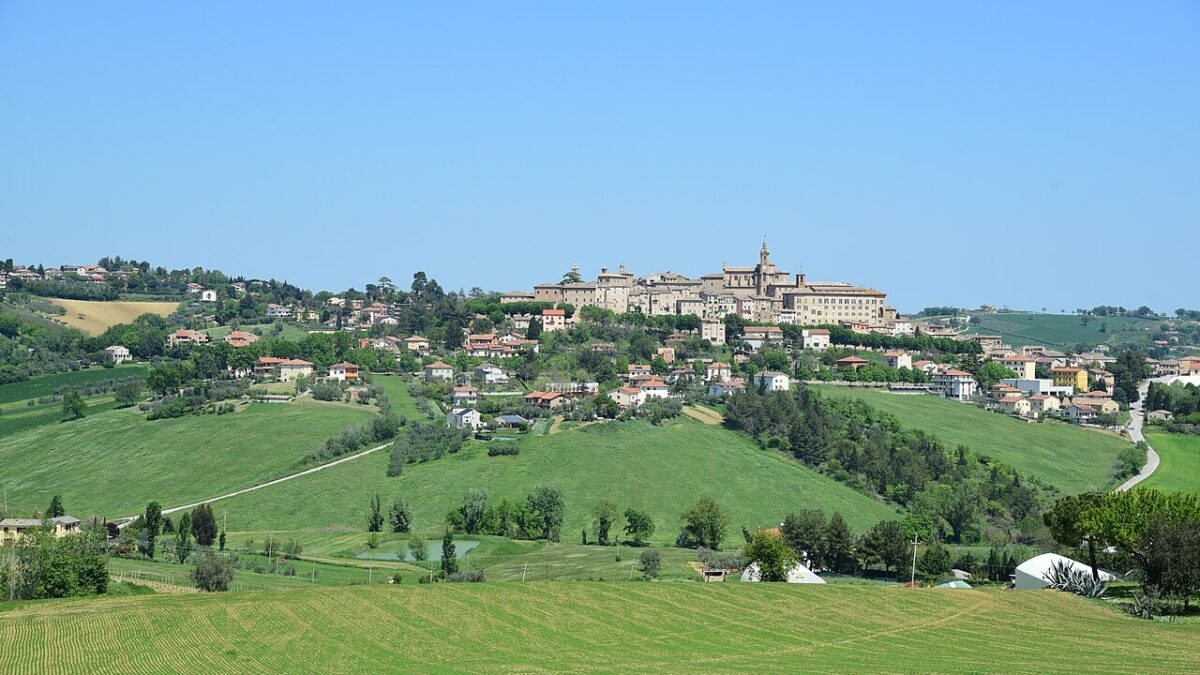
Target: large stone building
column 760, row 292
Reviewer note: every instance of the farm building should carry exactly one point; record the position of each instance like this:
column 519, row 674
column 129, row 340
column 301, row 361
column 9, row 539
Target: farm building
column 1035, row 572
column 799, row 574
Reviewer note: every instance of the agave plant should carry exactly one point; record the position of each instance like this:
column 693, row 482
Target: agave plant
column 1065, row 577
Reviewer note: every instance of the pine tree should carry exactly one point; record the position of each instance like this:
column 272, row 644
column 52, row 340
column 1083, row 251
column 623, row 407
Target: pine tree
column 375, row 520
column 449, row 558
column 183, row 539
column 152, row 521
column 401, row 515
column 839, row 545
column 204, row 525
column 56, row 507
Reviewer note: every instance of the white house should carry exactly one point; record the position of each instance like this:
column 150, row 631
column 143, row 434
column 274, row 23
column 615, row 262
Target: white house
column 278, row 311
column 463, row 418
column 208, row 295
column 1020, row 364
column 732, row 385
column 118, row 353
column 292, row 368
column 627, row 397
column 438, row 371
column 815, row 338
column 773, row 379
column 464, row 396
column 713, row 330
column 1035, row 572
column 898, row 360
column 490, row 374
column 718, row 371
column 956, row 384
column 654, row 388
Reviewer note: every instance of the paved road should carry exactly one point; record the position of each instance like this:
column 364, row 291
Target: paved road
column 1135, row 434
column 129, row 519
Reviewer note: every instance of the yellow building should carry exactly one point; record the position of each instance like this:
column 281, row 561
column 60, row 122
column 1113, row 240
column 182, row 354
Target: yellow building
column 13, row 528
column 1070, row 377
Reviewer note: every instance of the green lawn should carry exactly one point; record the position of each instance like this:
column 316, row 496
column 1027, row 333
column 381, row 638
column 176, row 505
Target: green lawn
column 581, row 626
column 574, row 562
column 163, row 571
column 21, row 417
column 113, row 463
column 1071, row 458
column 660, row 469
column 44, row 385
column 1180, row 467
column 1063, row 330
column 396, row 388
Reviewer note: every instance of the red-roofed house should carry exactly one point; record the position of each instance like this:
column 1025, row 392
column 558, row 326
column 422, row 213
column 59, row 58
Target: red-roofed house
column 554, row 319
column 461, row 396
column 240, row 338
column 343, row 372
column 854, row 362
column 545, row 399
column 292, row 368
column 438, row 371
column 183, row 336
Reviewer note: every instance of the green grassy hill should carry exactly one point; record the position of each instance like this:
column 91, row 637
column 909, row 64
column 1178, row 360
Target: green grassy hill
column 1062, row 330
column 561, row 627
column 1180, row 457
column 44, row 385
column 661, row 469
column 1071, row 458
column 112, row 463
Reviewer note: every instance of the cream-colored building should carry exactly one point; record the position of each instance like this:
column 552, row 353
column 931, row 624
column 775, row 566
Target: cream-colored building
column 12, row 529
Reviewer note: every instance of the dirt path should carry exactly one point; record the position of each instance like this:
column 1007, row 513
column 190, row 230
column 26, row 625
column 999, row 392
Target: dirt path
column 702, row 414
column 129, row 519
column 556, row 425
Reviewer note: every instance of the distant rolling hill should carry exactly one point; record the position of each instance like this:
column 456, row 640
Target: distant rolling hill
column 663, row 470
column 1071, row 458
column 1062, row 330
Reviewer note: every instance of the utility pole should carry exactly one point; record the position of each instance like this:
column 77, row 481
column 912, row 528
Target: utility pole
column 913, row 581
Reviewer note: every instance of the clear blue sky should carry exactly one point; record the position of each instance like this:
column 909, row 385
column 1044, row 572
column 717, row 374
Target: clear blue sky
column 1030, row 154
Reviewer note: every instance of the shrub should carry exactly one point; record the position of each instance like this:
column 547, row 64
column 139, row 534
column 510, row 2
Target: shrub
column 1064, row 577
column 651, row 563
column 498, row 448
column 212, row 572
column 473, row 576
column 327, row 391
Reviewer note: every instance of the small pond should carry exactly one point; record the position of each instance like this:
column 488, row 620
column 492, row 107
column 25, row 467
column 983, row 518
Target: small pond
column 398, row 550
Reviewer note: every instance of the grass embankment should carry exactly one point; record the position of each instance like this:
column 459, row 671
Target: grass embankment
column 94, row 317
column 1180, row 457
column 1071, row 458
column 659, row 469
column 641, row 627
column 1063, row 330
column 113, row 463
column 396, row 388
column 290, row 331
column 21, row 411
column 44, row 385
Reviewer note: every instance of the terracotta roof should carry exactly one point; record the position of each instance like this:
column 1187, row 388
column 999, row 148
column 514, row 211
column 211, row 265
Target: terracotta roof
column 852, row 359
column 345, row 365
column 554, row 312
column 295, row 362
column 957, row 373
column 269, row 360
column 439, row 365
column 542, row 395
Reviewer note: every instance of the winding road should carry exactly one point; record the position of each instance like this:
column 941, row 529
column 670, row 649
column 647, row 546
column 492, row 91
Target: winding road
column 1135, row 434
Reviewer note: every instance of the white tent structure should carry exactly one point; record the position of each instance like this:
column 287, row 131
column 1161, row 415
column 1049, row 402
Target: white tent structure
column 1035, row 572
column 797, row 575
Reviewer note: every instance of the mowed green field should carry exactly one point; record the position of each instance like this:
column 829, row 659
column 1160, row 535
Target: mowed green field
column 44, row 385
column 1179, row 470
column 660, row 469
column 1061, row 330
column 396, row 388
column 1071, row 458
column 113, row 463
column 590, row 627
